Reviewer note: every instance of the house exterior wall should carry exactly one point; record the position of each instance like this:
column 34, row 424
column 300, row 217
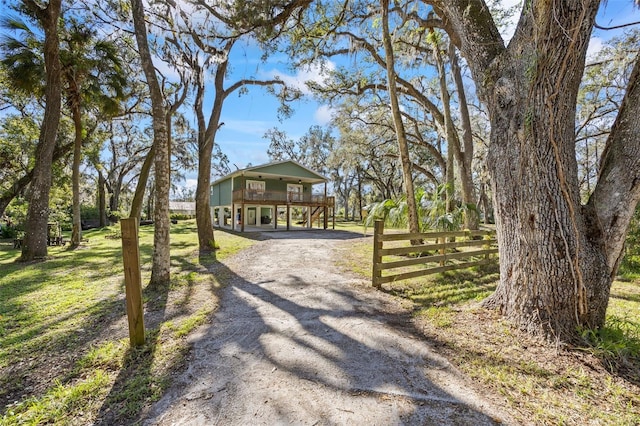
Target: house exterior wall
column 270, row 185
column 221, row 193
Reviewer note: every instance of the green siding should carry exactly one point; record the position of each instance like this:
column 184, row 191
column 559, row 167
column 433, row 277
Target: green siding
column 214, row 199
column 221, row 193
column 238, row 182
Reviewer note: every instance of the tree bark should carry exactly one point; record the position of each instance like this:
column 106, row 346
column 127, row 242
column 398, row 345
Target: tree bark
column 464, row 151
column 206, row 139
column 102, row 201
column 451, row 135
column 396, row 114
column 35, row 240
column 76, row 231
column 138, row 197
column 557, row 257
column 161, row 264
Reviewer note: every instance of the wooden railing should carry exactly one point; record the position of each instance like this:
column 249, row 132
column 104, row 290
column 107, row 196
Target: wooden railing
column 422, row 256
column 248, row 195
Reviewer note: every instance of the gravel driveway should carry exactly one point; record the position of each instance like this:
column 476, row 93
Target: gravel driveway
column 298, row 341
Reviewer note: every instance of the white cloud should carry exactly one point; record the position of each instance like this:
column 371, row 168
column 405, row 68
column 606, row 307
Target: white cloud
column 191, row 183
column 324, row 114
column 249, row 127
column 313, row 72
column 595, row 46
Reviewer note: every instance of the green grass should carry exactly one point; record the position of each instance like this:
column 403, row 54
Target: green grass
column 535, row 382
column 64, row 350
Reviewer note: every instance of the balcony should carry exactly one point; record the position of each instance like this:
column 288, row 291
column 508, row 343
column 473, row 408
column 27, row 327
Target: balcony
column 254, row 196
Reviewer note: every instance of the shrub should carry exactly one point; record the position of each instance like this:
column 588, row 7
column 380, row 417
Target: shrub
column 180, row 216
column 8, row 231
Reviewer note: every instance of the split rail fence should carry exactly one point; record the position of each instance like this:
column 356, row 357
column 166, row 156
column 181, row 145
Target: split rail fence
column 439, row 252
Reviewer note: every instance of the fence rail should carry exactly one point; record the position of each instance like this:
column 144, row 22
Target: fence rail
column 423, row 254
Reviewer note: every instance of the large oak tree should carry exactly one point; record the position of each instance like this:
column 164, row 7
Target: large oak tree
column 558, row 257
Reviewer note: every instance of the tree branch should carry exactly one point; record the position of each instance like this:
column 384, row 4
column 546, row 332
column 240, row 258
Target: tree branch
column 472, row 29
column 618, row 190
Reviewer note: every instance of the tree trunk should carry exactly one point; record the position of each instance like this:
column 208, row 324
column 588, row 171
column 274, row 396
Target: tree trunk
column 557, row 257
column 102, row 201
column 453, row 144
column 35, row 240
column 138, row 197
column 161, row 264
column 403, row 145
column 114, row 199
column 206, row 139
column 76, row 232
column 554, row 277
column 359, row 193
column 464, row 157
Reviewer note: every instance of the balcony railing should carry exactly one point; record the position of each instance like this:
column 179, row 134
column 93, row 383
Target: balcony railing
column 284, row 197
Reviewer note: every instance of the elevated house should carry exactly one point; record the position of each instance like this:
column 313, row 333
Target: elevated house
column 278, row 195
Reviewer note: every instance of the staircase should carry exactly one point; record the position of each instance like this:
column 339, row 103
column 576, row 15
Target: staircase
column 315, row 214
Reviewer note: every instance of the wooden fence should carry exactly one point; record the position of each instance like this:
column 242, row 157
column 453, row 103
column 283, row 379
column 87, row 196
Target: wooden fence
column 445, row 245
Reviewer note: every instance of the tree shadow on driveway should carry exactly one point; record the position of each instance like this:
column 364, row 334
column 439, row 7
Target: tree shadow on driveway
column 288, row 350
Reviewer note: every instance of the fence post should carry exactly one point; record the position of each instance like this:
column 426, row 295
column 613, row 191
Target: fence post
column 488, row 237
column 378, row 230
column 132, row 280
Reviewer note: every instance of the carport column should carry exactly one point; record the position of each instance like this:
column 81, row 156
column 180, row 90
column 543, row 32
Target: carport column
column 233, row 217
column 309, row 220
column 288, row 216
column 242, row 214
column 243, row 185
column 325, row 208
column 275, row 217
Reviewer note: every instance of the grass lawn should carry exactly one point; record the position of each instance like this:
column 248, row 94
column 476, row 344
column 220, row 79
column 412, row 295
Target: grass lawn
column 65, row 356
column 535, row 382
column 64, row 347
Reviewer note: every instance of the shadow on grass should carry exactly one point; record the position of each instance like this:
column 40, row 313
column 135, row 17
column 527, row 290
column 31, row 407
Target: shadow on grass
column 53, row 346
column 448, row 288
column 23, row 378
column 617, row 345
column 137, row 384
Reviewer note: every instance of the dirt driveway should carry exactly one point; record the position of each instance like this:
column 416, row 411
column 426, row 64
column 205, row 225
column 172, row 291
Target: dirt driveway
column 297, row 341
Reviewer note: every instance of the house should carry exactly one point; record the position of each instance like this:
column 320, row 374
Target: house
column 281, row 194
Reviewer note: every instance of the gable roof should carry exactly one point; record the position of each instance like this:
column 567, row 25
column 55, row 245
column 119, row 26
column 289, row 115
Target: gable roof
column 278, row 169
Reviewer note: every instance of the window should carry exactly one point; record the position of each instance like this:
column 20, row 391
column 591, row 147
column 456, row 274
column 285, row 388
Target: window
column 255, row 189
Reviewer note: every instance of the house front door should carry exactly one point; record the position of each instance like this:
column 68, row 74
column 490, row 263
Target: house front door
column 295, row 192
column 251, row 216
